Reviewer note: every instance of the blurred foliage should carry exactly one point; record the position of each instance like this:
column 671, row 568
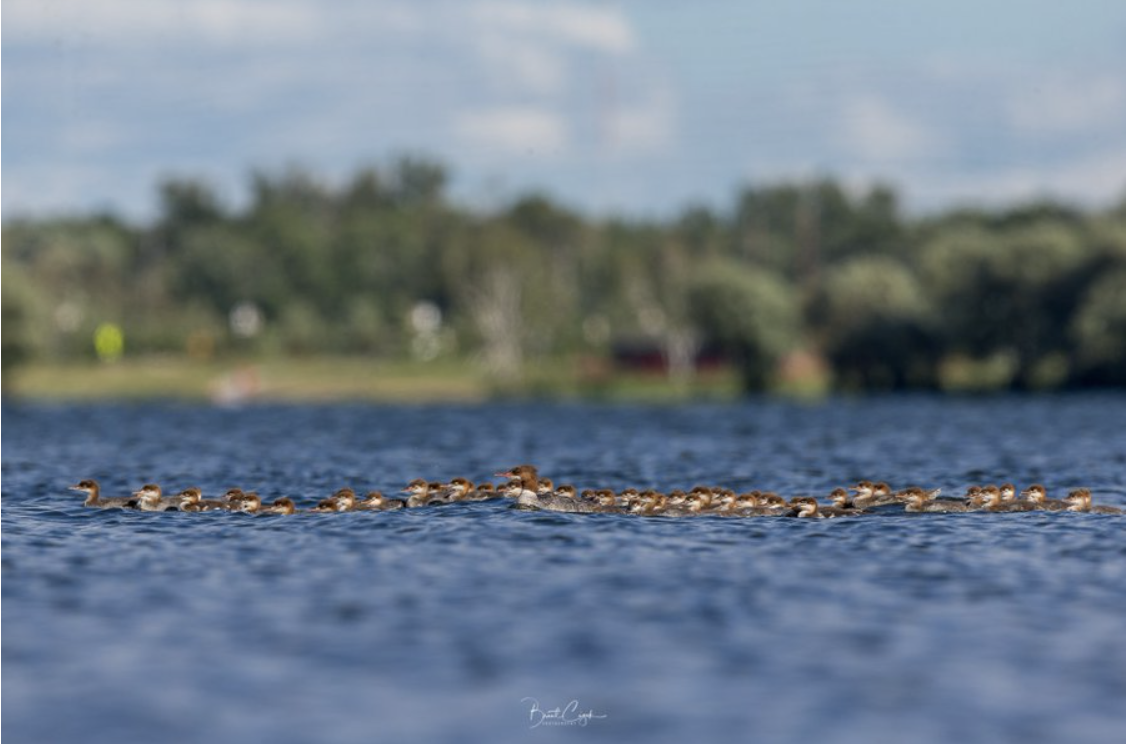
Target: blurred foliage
column 387, row 264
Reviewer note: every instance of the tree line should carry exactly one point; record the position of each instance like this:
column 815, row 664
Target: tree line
column 388, row 264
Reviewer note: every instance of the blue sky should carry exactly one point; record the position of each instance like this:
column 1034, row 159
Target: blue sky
column 642, row 107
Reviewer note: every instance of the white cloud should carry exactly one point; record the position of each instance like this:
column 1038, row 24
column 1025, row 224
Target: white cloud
column 1067, row 105
column 873, row 129
column 515, row 129
column 1094, row 179
column 144, row 22
column 591, row 27
column 644, row 126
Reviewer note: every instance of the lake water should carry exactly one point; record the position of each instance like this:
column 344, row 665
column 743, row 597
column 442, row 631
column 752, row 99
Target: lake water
column 451, row 623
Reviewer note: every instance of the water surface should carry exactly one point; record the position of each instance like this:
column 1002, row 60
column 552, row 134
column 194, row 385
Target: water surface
column 434, row 625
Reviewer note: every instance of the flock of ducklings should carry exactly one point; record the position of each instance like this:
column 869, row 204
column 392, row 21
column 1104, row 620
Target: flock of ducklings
column 532, row 492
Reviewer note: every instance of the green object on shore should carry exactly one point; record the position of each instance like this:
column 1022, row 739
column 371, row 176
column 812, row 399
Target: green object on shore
column 109, row 342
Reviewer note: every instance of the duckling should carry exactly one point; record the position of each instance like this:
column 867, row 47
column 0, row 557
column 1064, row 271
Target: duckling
column 342, row 500
column 189, row 500
column 808, row 507
column 376, row 501
column 992, row 502
column 248, row 502
column 870, row 494
column 94, row 498
column 149, row 498
column 1080, row 501
column 920, row 501
column 278, row 506
column 1038, row 495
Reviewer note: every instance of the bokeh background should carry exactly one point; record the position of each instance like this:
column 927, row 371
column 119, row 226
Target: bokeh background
column 458, row 199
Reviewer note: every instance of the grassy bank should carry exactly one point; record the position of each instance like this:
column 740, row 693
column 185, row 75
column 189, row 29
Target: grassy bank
column 329, row 379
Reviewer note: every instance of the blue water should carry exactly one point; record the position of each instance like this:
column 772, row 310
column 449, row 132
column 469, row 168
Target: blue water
column 435, row 624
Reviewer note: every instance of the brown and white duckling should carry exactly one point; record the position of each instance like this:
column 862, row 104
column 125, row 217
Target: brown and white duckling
column 149, row 498
column 278, row 506
column 911, row 491
column 806, row 506
column 1080, row 501
column 991, row 501
column 376, row 501
column 420, row 493
column 776, row 506
column 247, row 502
column 868, row 494
column 699, row 500
column 524, row 481
column 604, row 502
column 189, row 500
column 841, row 499
column 482, row 492
column 94, row 498
column 1038, row 495
column 455, row 490
column 920, row 501
column 342, row 500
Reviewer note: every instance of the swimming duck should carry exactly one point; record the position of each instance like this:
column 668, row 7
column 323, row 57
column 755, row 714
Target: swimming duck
column 457, row 490
column 247, row 502
column 1080, row 501
column 279, row 506
column 991, row 501
column 524, row 481
column 375, row 501
column 420, row 493
column 341, row 500
column 868, row 494
column 189, row 500
column 1038, row 495
column 94, row 498
column 808, row 507
column 149, row 498
column 920, row 501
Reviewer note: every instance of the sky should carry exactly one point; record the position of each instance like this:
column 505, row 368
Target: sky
column 643, row 107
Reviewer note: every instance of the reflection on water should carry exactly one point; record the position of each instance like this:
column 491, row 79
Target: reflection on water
column 437, row 623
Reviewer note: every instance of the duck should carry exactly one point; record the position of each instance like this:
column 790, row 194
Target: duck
column 604, row 502
column 808, row 507
column 699, row 500
column 991, row 501
column 376, row 501
column 457, row 490
column 482, row 492
column 1080, row 501
column 912, row 491
column 420, row 493
column 1038, row 495
column 278, row 506
column 149, row 498
column 869, row 494
column 776, row 506
column 94, row 499
column 524, row 482
column 841, row 499
column 920, row 501
column 247, row 502
column 342, row 499
column 189, row 500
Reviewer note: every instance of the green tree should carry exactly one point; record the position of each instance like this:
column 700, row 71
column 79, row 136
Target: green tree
column 749, row 313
